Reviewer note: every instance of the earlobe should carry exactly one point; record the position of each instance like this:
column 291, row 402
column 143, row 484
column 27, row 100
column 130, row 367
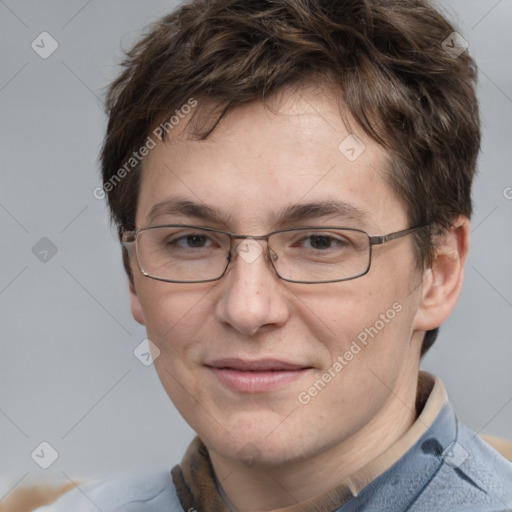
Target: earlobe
column 443, row 281
column 135, row 305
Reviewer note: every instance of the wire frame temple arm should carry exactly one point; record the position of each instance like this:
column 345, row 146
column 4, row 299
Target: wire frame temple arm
column 378, row 240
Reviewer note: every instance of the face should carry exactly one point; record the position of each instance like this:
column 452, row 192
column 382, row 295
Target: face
column 311, row 364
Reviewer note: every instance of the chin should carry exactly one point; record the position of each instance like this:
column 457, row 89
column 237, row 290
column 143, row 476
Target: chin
column 260, row 452
column 257, row 441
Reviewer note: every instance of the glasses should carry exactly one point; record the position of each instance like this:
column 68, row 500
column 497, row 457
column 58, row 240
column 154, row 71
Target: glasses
column 180, row 253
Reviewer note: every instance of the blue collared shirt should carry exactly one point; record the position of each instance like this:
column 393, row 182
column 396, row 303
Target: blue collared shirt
column 448, row 469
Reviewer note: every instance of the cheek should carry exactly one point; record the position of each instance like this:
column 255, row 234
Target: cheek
column 367, row 323
column 173, row 313
column 339, row 314
column 367, row 348
column 176, row 322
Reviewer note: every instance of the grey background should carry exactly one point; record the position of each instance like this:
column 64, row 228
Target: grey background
column 68, row 375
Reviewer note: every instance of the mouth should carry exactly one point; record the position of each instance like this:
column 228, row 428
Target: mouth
column 256, row 376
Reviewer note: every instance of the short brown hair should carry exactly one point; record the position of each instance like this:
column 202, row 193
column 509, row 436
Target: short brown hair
column 386, row 59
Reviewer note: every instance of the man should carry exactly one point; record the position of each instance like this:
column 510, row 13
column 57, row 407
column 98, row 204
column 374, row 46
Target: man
column 291, row 182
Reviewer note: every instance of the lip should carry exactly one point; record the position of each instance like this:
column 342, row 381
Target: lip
column 259, row 365
column 256, row 376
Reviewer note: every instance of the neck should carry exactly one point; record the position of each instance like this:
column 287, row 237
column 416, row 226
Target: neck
column 265, row 488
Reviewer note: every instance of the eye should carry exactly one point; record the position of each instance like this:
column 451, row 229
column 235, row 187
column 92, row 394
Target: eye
column 191, row 241
column 322, row 242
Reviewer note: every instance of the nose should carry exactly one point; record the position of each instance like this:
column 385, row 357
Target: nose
column 253, row 297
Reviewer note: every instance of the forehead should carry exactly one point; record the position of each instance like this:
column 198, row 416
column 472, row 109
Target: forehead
column 263, row 161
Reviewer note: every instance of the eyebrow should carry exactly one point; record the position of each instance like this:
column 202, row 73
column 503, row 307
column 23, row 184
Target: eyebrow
column 188, row 208
column 309, row 211
column 287, row 215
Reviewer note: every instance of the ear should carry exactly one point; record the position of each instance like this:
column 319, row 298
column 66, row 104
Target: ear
column 442, row 282
column 135, row 306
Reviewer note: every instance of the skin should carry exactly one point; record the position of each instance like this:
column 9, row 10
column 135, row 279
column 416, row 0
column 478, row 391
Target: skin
column 256, row 162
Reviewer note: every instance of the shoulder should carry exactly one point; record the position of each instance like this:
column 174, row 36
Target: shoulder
column 450, row 468
column 471, row 472
column 148, row 491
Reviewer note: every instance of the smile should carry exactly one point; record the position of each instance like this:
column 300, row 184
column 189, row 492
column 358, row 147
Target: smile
column 256, row 376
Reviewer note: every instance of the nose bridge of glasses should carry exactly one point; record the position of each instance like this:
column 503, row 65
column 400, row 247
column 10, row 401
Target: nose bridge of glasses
column 250, row 248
